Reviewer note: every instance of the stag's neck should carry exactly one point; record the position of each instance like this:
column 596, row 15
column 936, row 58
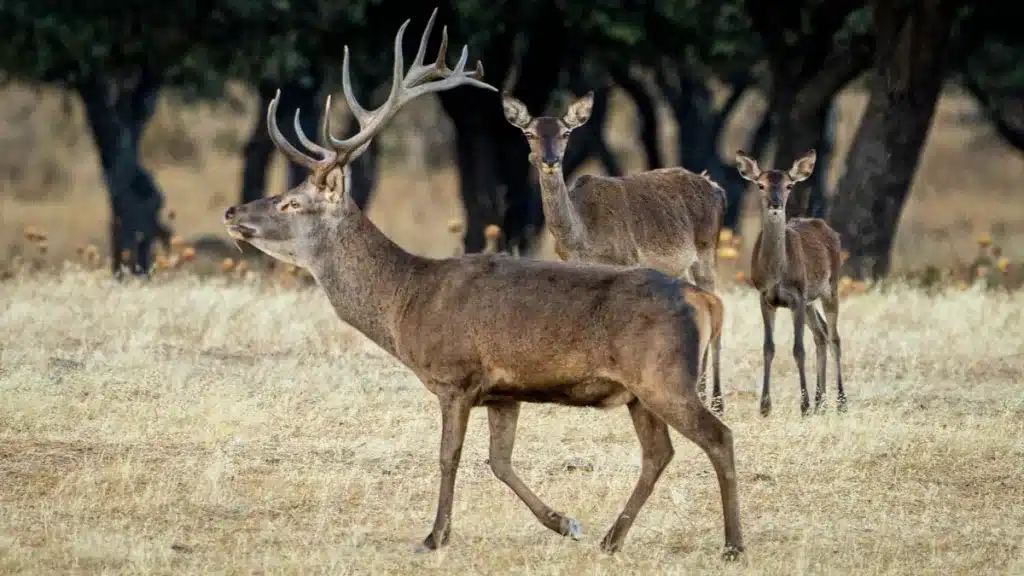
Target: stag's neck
column 773, row 247
column 365, row 275
column 560, row 215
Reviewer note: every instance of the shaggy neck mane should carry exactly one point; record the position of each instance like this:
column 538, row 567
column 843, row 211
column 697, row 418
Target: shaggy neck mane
column 364, row 275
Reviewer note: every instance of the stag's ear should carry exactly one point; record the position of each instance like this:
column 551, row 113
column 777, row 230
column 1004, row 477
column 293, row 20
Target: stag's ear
column 803, row 167
column 747, row 166
column 579, row 111
column 336, row 185
column 515, row 111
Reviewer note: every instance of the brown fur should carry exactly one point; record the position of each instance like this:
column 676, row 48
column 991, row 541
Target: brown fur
column 795, row 263
column 668, row 219
column 492, row 330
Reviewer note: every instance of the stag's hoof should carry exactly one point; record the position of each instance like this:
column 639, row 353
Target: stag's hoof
column 766, row 407
column 608, row 545
column 571, row 528
column 732, row 553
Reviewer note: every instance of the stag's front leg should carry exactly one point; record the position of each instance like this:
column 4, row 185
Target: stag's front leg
column 502, row 419
column 455, row 408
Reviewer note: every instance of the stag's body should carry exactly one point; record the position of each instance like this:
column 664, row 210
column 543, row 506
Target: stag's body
column 794, row 264
column 668, row 219
column 492, row 330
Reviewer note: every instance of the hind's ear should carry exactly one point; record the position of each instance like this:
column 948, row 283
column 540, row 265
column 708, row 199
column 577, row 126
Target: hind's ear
column 747, row 166
column 579, row 111
column 803, row 167
column 515, row 111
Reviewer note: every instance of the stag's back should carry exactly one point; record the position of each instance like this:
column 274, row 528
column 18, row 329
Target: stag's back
column 643, row 218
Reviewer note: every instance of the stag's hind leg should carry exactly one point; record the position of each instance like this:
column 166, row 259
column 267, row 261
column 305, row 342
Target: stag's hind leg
column 666, row 390
column 684, row 412
column 656, row 447
column 820, row 332
column 502, row 419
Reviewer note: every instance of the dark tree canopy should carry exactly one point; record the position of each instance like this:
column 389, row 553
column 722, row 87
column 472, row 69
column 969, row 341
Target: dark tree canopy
column 119, row 58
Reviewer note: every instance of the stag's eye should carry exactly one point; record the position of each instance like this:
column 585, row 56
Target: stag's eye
column 289, row 205
column 789, row 186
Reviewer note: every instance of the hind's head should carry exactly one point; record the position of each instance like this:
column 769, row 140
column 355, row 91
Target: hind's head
column 775, row 185
column 548, row 135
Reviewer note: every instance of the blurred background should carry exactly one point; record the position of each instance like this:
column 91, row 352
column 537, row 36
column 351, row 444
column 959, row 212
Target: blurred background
column 127, row 128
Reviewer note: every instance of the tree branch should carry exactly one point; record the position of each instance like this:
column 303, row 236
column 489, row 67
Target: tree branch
column 839, row 69
column 1012, row 132
column 826, row 20
column 722, row 116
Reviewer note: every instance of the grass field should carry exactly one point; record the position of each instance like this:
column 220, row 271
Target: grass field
column 224, row 425
column 238, row 427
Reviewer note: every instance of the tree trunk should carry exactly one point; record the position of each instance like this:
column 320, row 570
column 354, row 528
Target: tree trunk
column 910, row 66
column 494, row 172
column 589, row 141
column 647, row 117
column 818, row 202
column 117, row 114
column 302, row 93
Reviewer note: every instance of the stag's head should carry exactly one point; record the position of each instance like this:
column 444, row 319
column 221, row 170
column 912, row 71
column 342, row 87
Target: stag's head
column 774, row 186
column 293, row 226
column 547, row 135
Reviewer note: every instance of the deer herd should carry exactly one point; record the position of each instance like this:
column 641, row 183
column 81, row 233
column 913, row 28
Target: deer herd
column 629, row 317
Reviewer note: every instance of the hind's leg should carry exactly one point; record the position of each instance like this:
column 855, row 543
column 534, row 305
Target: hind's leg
column 656, row 447
column 704, row 278
column 820, row 332
column 831, row 306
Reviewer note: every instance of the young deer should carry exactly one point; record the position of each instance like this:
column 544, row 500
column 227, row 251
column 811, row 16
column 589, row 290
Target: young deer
column 667, row 219
column 492, row 330
column 795, row 263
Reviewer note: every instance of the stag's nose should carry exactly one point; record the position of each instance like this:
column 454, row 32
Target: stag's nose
column 229, row 214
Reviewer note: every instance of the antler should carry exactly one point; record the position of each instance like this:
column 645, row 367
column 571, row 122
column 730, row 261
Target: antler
column 419, row 80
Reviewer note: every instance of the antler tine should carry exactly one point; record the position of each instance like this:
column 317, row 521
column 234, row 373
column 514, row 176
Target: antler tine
column 420, row 79
column 281, row 142
column 357, row 110
column 309, row 144
column 421, row 52
column 325, row 122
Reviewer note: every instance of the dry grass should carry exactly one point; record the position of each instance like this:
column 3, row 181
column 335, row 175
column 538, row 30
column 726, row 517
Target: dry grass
column 233, row 427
